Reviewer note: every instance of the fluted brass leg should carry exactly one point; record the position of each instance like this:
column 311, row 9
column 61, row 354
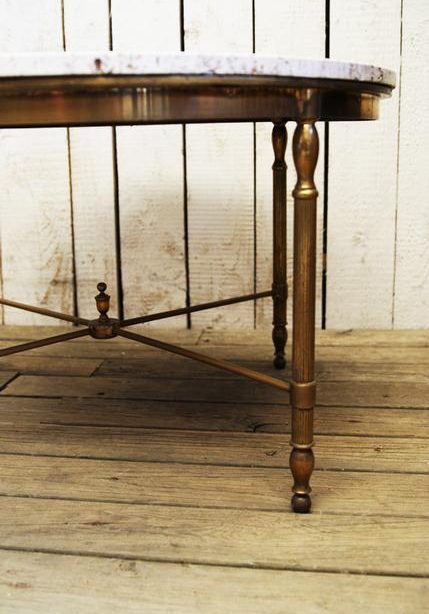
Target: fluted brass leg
column 303, row 386
column 279, row 334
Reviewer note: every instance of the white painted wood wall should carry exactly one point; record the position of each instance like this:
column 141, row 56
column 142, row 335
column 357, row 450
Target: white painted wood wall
column 192, row 205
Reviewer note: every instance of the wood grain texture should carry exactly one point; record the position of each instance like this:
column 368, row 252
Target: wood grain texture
column 229, row 417
column 6, row 377
column 35, row 202
column 362, row 176
column 210, row 486
column 150, row 174
column 363, row 394
column 334, row 453
column 279, row 31
column 49, row 365
column 346, row 338
column 411, row 297
column 369, row 346
column 325, row 370
column 100, row 493
column 220, row 178
column 86, row 28
column 58, row 581
column 323, row 542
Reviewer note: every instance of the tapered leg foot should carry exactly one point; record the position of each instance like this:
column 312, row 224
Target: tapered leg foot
column 301, row 465
column 301, row 504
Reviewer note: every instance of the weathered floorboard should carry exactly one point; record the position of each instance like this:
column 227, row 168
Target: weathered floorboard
column 343, row 337
column 362, row 394
column 276, row 540
column 213, row 447
column 325, row 370
column 181, row 472
column 209, row 485
column 236, row 417
column 379, row 358
column 62, row 581
column 48, row 365
column 6, row 377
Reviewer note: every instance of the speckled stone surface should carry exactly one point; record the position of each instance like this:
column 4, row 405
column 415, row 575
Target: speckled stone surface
column 55, row 64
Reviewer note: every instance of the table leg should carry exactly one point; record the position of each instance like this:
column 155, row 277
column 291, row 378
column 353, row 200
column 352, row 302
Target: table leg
column 279, row 334
column 303, row 386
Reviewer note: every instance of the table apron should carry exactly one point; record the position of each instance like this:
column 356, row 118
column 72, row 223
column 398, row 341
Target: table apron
column 166, row 106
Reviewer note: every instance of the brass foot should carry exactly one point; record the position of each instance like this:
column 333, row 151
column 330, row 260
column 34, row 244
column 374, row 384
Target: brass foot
column 301, row 504
column 279, row 361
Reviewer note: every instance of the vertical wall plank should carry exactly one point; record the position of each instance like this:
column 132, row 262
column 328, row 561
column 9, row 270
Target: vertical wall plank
column 86, row 28
column 150, row 170
column 34, row 199
column 288, row 29
column 362, row 176
column 411, row 306
column 220, row 177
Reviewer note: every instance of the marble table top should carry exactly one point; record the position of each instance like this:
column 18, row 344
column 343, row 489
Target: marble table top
column 186, row 64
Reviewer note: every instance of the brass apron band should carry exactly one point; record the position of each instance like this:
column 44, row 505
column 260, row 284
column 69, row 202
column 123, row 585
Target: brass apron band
column 303, row 396
column 305, row 193
column 302, row 490
column 301, row 446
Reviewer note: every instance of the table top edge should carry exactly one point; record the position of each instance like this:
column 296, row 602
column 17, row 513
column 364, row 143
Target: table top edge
column 108, row 63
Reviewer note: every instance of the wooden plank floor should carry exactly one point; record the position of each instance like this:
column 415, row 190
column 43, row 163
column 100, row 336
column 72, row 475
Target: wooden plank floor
column 136, row 481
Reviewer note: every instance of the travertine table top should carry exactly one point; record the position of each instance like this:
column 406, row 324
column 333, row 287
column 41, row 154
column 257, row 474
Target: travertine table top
column 182, row 63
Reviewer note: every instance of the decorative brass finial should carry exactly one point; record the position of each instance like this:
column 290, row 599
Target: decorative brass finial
column 103, row 301
column 104, row 327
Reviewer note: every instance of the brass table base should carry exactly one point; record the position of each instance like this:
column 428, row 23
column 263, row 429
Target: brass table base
column 122, row 89
column 302, row 387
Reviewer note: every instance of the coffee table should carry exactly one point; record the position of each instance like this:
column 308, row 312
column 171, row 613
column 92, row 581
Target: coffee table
column 67, row 89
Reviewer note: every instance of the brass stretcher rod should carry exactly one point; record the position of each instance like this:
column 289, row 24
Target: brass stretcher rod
column 214, row 362
column 184, row 310
column 141, row 319
column 44, row 312
column 31, row 345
